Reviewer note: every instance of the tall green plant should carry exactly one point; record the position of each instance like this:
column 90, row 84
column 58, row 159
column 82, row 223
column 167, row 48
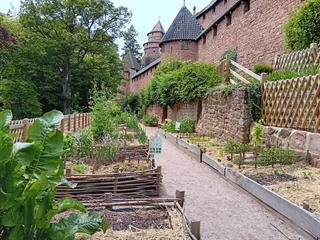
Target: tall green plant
column 29, row 175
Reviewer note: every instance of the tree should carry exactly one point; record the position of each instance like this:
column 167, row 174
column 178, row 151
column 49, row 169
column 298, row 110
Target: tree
column 131, row 44
column 75, row 40
column 303, row 27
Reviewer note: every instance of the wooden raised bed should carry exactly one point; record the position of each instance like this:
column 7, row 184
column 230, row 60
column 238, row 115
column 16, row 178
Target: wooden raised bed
column 137, row 184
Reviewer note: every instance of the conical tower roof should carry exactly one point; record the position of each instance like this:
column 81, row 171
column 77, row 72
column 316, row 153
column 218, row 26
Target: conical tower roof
column 158, row 28
column 130, row 62
column 184, row 27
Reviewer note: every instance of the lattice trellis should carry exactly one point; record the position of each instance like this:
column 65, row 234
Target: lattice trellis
column 298, row 60
column 292, row 103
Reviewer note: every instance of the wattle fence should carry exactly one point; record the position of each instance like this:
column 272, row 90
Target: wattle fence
column 70, row 123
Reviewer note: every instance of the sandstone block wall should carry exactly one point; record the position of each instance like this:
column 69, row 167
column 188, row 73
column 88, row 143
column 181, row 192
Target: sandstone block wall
column 225, row 117
column 139, row 82
column 183, row 110
column 300, row 141
column 155, row 110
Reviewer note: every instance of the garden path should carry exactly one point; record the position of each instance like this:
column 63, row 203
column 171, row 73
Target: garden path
column 226, row 212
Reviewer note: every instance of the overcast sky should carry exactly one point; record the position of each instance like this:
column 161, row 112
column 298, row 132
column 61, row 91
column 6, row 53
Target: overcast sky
column 146, row 13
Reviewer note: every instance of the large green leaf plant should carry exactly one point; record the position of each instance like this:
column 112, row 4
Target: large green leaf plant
column 29, row 175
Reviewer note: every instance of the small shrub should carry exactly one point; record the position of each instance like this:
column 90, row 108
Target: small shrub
column 276, row 155
column 263, row 68
column 142, row 137
column 151, row 121
column 303, row 27
column 289, row 74
column 107, row 152
column 170, row 127
column 230, row 53
column 79, row 168
column 69, row 145
column 187, row 126
column 232, row 147
column 84, row 143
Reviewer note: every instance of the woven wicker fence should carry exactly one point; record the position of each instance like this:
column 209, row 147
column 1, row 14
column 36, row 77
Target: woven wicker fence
column 299, row 59
column 293, row 103
column 70, row 123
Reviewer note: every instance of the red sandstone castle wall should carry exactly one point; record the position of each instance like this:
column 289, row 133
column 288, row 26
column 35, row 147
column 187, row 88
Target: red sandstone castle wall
column 138, row 83
column 257, row 34
column 173, row 49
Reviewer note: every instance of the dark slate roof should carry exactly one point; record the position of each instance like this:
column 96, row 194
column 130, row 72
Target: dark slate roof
column 184, row 27
column 146, row 68
column 213, row 2
column 130, row 62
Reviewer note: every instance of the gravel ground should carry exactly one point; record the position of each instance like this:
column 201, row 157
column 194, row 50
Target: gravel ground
column 225, row 211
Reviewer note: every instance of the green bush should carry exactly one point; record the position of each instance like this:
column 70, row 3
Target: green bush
column 230, row 53
column 69, row 145
column 187, row 126
column 84, row 143
column 131, row 100
column 170, row 126
column 151, row 121
column 30, row 173
column 79, row 168
column 289, row 74
column 303, row 27
column 276, row 155
column 263, row 68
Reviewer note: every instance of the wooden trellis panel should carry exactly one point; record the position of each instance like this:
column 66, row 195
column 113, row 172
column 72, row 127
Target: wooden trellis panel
column 292, row 103
column 298, row 60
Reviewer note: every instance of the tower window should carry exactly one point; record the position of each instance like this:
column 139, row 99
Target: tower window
column 185, row 45
column 171, row 50
column 204, row 39
column 229, row 18
column 204, row 17
column 213, row 10
column 246, row 5
column 225, row 1
column 215, row 30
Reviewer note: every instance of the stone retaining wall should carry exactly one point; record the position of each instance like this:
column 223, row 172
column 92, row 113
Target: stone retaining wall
column 183, row 110
column 226, row 116
column 155, row 110
column 300, row 141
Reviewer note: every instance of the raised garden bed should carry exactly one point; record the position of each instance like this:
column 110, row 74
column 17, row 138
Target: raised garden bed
column 138, row 219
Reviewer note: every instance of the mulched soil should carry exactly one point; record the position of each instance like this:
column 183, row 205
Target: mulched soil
column 125, row 219
column 269, row 179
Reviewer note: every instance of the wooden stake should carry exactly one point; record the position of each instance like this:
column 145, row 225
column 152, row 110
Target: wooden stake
column 180, row 196
column 195, row 229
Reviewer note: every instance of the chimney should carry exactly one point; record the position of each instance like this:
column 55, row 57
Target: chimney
column 194, row 10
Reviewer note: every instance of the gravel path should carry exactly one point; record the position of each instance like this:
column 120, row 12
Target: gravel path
column 225, row 211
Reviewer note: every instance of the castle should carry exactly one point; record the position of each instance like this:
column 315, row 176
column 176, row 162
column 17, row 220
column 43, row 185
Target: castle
column 252, row 27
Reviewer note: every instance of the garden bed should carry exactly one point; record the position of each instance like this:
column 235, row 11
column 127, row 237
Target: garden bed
column 298, row 182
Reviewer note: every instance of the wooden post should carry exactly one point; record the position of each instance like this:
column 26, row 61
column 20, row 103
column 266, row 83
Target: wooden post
column 263, row 82
column 227, row 71
column 108, row 199
column 62, row 125
column 68, row 172
column 158, row 184
column 201, row 153
column 24, row 130
column 69, row 123
column 74, row 122
column 313, row 53
column 180, row 197
column 195, row 229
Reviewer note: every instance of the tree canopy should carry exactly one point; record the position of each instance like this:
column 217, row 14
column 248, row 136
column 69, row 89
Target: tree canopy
column 131, row 43
column 64, row 50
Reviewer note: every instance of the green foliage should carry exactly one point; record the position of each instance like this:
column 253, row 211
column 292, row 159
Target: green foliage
column 263, row 68
column 177, row 81
column 84, row 144
column 151, row 121
column 276, row 155
column 69, row 145
column 131, row 100
column 257, row 135
column 303, row 27
column 29, row 175
column 234, row 147
column 230, row 53
column 170, row 126
column 106, row 152
column 142, row 137
column 187, row 125
column 79, row 168
column 21, row 97
column 195, row 79
column 289, row 74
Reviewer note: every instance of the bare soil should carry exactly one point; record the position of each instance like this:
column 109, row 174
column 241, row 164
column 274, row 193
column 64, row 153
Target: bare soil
column 299, row 182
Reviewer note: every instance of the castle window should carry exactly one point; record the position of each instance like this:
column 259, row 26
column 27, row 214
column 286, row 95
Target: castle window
column 246, row 5
column 204, row 39
column 204, row 17
column 225, row 1
column 171, row 50
column 229, row 18
column 215, row 30
column 213, row 10
column 184, row 45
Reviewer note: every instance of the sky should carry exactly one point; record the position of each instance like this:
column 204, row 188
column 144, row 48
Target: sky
column 146, row 13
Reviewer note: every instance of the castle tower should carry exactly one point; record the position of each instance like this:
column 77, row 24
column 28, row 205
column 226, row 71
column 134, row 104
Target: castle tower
column 181, row 38
column 152, row 48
